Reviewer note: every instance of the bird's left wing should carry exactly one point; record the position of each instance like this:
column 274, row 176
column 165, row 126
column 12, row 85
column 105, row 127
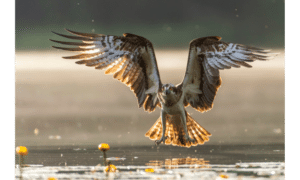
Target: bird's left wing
column 207, row 56
column 130, row 58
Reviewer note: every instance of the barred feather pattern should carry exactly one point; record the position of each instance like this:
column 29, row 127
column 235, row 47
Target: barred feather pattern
column 175, row 132
column 124, row 57
column 207, row 56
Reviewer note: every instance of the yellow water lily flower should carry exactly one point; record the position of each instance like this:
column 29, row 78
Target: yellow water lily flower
column 22, row 150
column 103, row 147
column 149, row 170
column 224, row 176
column 110, row 168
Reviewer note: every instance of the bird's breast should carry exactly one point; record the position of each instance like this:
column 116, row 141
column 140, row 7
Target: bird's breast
column 172, row 107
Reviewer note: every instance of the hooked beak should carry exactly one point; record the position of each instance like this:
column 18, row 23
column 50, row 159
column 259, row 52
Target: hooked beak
column 167, row 92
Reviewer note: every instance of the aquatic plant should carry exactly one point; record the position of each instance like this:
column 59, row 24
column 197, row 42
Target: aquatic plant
column 224, row 176
column 149, row 170
column 110, row 168
column 51, row 178
column 104, row 147
column 22, row 151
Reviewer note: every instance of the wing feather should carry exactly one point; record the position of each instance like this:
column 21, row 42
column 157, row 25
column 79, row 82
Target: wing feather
column 130, row 58
column 83, row 56
column 71, row 43
column 207, row 56
column 74, row 37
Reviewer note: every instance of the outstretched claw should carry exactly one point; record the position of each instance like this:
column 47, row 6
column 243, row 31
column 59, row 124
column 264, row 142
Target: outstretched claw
column 162, row 140
column 190, row 139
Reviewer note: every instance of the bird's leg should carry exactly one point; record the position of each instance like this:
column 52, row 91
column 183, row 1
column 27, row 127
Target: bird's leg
column 183, row 121
column 163, row 116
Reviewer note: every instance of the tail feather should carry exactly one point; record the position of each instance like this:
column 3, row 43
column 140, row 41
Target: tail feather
column 155, row 131
column 175, row 132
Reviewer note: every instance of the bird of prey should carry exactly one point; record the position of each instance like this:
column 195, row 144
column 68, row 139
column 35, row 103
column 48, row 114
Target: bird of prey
column 131, row 60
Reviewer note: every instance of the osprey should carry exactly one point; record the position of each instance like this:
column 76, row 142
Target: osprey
column 131, row 60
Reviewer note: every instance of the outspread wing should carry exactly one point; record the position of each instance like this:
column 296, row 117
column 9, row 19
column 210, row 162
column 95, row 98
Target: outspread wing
column 206, row 57
column 130, row 59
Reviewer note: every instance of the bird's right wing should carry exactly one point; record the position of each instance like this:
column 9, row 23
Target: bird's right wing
column 130, row 58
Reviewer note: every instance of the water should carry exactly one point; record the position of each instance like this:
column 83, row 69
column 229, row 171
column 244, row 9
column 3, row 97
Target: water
column 140, row 155
column 208, row 162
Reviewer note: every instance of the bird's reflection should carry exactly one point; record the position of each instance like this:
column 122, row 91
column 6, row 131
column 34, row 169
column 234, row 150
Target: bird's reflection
column 176, row 162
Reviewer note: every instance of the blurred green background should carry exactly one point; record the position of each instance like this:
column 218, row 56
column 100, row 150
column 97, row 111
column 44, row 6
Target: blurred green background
column 168, row 24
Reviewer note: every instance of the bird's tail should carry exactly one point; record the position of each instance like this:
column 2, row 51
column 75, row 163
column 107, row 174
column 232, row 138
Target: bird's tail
column 175, row 132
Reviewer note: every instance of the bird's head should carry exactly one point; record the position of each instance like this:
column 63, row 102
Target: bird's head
column 168, row 89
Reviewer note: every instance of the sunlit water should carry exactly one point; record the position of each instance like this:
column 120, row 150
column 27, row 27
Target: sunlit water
column 238, row 171
column 208, row 162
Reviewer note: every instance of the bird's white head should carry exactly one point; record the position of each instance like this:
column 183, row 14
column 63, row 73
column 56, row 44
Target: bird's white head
column 168, row 90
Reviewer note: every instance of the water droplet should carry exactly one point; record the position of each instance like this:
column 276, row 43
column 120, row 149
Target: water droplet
column 36, row 131
column 277, row 131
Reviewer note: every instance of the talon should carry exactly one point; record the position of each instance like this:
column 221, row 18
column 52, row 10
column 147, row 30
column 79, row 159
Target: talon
column 157, row 143
column 160, row 141
column 190, row 139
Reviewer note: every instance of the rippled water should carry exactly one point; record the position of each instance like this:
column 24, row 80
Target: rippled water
column 206, row 162
column 271, row 170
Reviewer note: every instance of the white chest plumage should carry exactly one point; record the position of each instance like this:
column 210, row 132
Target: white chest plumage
column 172, row 105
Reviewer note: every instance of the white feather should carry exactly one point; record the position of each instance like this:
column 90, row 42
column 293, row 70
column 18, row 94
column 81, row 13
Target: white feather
column 152, row 90
column 192, row 88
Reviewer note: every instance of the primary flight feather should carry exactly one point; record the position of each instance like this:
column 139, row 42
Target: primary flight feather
column 131, row 60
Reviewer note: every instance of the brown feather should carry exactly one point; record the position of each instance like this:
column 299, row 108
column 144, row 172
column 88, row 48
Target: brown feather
column 115, row 68
column 118, row 75
column 83, row 56
column 72, row 43
column 75, row 37
column 74, row 49
column 175, row 132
